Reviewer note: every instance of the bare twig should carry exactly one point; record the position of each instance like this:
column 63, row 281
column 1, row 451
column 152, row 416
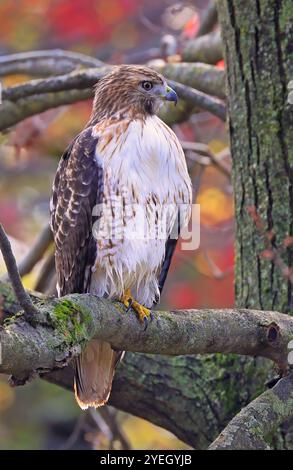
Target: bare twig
column 110, row 416
column 197, row 158
column 216, row 271
column 73, row 437
column 256, row 421
column 142, row 56
column 36, row 252
column 46, row 281
column 203, row 149
column 100, row 423
column 149, row 24
column 22, row 296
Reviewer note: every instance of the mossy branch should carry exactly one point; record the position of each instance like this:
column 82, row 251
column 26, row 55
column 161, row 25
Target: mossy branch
column 63, row 326
column 259, row 419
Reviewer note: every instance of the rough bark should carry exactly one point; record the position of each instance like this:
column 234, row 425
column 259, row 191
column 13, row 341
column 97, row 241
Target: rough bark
column 193, row 397
column 60, row 327
column 257, row 57
column 256, row 45
column 247, row 431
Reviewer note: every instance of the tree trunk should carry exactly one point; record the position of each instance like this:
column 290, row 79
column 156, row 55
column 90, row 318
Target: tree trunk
column 256, row 38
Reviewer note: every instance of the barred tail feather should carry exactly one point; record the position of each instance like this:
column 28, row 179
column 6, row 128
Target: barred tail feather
column 94, row 372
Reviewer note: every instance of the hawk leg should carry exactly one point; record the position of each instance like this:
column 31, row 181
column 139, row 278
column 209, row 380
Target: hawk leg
column 143, row 313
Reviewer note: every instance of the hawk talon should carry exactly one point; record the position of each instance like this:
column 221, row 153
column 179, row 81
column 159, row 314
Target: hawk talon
column 130, row 302
column 142, row 312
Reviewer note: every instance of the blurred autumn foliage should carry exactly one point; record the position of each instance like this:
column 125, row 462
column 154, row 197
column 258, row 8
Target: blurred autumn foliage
column 114, row 31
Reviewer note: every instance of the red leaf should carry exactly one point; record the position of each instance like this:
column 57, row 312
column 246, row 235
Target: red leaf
column 267, row 254
column 288, row 241
column 220, row 64
column 191, row 27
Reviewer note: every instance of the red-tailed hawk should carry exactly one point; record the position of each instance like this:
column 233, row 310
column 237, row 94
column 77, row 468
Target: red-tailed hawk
column 116, row 197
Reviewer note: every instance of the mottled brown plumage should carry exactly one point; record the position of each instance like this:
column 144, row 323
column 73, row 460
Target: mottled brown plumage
column 119, row 92
column 77, row 187
column 125, row 153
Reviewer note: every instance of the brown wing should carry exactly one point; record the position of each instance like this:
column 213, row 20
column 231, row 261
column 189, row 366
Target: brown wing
column 77, row 188
column 170, row 247
column 169, row 251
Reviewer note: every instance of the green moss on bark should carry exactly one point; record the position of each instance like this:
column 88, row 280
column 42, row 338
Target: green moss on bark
column 72, row 321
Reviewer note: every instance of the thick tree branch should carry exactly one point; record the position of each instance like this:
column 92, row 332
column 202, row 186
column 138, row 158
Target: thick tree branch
column 204, row 77
column 42, row 63
column 257, row 420
column 207, row 48
column 64, row 325
column 39, row 95
column 78, row 80
column 149, row 385
column 12, row 113
column 201, row 100
column 209, row 19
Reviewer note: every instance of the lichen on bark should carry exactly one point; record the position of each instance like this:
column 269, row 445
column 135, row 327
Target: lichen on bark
column 259, row 65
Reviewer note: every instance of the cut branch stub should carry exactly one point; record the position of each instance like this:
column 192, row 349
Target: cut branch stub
column 273, row 332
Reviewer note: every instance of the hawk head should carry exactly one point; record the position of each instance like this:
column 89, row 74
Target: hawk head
column 134, row 89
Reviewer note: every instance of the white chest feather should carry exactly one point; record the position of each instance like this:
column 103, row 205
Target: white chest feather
column 145, row 178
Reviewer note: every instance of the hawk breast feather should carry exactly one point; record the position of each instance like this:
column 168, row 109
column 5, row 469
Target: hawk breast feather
column 146, row 157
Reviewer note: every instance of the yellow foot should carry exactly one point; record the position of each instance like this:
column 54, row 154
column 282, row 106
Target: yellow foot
column 143, row 313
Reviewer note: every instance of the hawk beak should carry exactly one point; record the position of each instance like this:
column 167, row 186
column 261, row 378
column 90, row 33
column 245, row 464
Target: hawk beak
column 171, row 95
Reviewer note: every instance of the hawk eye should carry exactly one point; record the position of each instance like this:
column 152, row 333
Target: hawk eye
column 147, row 85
